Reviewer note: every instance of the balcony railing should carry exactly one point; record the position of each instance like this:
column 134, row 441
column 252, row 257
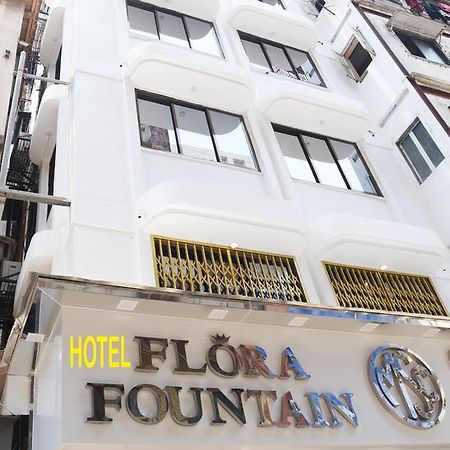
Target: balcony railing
column 363, row 288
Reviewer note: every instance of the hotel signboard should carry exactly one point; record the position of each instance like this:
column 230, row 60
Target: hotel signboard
column 149, row 381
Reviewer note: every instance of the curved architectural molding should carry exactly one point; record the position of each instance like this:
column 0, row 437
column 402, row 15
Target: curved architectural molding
column 359, row 241
column 272, row 23
column 207, row 10
column 164, row 69
column 189, row 211
column 44, row 136
column 52, row 38
column 39, row 259
column 316, row 110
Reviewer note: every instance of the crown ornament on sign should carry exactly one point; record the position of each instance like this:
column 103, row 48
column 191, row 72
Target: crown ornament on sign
column 220, row 339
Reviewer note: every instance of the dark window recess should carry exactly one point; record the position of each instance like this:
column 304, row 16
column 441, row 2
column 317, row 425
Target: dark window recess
column 173, row 126
column 276, row 3
column 422, row 48
column 360, row 59
column 51, row 179
column 281, row 59
column 174, row 28
column 325, row 160
column 58, row 66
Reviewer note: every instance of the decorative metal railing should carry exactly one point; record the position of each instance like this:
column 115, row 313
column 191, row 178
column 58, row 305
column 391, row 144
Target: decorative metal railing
column 201, row 267
column 358, row 287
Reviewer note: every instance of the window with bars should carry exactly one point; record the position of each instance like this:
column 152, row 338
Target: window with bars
column 281, row 59
column 201, row 267
column 173, row 27
column 358, row 287
column 325, row 160
column 420, row 151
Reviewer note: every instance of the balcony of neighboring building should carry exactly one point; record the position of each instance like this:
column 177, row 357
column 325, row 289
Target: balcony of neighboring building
column 421, row 45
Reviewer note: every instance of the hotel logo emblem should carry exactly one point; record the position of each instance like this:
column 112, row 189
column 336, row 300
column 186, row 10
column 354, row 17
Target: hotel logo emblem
column 407, row 386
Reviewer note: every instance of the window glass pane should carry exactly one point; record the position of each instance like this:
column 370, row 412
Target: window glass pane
column 275, row 3
column 294, row 156
column 202, row 36
column 429, row 51
column 360, row 59
column 323, row 162
column 255, row 54
column 279, row 61
column 171, row 29
column 156, row 126
column 415, row 158
column 193, row 133
column 231, row 139
column 142, row 20
column 427, row 143
column 353, row 167
column 305, row 69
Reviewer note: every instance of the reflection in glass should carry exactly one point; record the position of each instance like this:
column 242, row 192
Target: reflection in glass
column 156, row 126
column 415, row 158
column 323, row 162
column 353, row 167
column 304, row 66
column 279, row 61
column 255, row 54
column 142, row 20
column 202, row 36
column 427, row 143
column 231, row 140
column 296, row 162
column 171, row 29
column 193, row 133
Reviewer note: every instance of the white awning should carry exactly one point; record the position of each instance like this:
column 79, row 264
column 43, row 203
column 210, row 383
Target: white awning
column 420, row 26
column 161, row 68
column 268, row 22
column 359, row 241
column 52, row 38
column 44, row 135
column 316, row 110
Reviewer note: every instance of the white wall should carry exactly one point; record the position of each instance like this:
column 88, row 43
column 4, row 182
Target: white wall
column 11, row 13
column 122, row 193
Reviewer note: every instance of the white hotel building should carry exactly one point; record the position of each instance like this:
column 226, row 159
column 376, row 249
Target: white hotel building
column 249, row 168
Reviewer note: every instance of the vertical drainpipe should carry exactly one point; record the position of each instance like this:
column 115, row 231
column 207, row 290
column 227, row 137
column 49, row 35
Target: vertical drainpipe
column 405, row 72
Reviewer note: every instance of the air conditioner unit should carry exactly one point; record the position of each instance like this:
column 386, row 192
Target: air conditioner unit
column 10, row 270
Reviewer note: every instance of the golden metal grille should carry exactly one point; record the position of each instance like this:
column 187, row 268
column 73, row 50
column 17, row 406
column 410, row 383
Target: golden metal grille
column 357, row 287
column 201, row 267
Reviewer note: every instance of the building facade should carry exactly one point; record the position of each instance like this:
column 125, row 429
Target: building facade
column 254, row 181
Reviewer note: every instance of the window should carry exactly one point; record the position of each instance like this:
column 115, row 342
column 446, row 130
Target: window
column 276, row 3
column 171, row 126
column 280, row 59
column 324, row 160
column 358, row 287
column 174, row 28
column 429, row 50
column 357, row 59
column 200, row 267
column 420, row 151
